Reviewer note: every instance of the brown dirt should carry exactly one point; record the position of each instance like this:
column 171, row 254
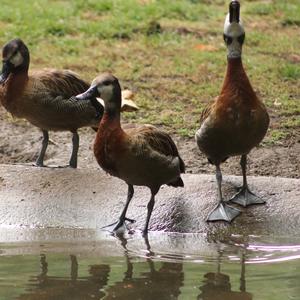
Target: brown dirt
column 20, row 143
column 263, row 161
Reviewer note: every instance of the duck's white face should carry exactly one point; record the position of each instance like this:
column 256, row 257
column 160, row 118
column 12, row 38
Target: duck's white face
column 16, row 59
column 105, row 91
column 108, row 88
column 234, row 35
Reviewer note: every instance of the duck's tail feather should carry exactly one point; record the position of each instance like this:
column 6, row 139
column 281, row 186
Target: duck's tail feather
column 177, row 183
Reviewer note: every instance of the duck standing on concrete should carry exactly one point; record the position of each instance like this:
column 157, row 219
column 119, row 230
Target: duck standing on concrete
column 44, row 97
column 144, row 156
column 235, row 122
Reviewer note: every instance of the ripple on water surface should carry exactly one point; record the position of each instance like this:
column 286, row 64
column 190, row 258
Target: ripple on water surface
column 166, row 266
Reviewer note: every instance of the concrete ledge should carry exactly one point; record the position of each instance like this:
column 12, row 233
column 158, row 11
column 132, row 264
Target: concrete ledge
column 33, row 197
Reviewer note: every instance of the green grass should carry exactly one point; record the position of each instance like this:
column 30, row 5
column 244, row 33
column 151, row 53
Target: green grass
column 275, row 137
column 171, row 53
column 290, row 71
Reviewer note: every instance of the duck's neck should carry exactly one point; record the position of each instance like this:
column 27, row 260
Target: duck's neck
column 16, row 81
column 112, row 110
column 111, row 118
column 110, row 125
column 236, row 80
column 14, row 87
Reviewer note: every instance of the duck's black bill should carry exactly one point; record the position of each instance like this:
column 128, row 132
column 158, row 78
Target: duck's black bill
column 234, row 11
column 7, row 68
column 91, row 93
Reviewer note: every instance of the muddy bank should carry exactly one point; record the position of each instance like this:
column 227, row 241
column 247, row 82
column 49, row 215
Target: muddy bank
column 66, row 198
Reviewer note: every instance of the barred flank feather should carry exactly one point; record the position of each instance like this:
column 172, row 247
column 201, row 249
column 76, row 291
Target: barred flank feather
column 159, row 141
column 48, row 101
column 63, row 83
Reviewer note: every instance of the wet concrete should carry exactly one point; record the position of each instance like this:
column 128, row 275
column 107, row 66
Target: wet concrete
column 83, row 200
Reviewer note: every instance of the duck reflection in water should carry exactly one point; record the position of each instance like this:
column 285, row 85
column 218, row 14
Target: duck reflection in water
column 45, row 287
column 161, row 284
column 157, row 281
column 217, row 285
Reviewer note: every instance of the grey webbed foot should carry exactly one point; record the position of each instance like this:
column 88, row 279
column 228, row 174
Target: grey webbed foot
column 245, row 198
column 122, row 223
column 50, row 166
column 122, row 219
column 223, row 212
column 118, row 224
column 64, row 166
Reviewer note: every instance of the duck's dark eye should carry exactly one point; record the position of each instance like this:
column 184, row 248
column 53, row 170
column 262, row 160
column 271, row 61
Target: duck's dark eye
column 241, row 38
column 13, row 53
column 227, row 39
column 106, row 82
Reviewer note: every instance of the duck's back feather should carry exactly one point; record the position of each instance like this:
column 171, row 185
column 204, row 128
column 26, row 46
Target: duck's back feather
column 48, row 103
column 63, row 83
column 62, row 114
column 206, row 112
column 158, row 140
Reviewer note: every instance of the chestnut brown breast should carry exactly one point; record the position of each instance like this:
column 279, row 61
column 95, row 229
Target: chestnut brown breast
column 12, row 91
column 236, row 121
column 108, row 144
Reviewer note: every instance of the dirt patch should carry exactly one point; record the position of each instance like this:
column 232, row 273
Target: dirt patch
column 281, row 161
column 21, row 142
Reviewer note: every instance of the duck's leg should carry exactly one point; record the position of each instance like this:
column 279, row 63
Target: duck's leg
column 222, row 211
column 75, row 143
column 245, row 197
column 122, row 217
column 150, row 209
column 74, row 267
column 40, row 160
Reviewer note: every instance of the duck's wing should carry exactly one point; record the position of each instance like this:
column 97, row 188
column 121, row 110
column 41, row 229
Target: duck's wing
column 205, row 113
column 159, row 141
column 50, row 103
column 207, row 110
column 70, row 105
column 67, row 83
column 61, row 113
column 63, row 83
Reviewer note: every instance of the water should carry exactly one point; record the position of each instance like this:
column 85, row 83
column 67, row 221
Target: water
column 167, row 266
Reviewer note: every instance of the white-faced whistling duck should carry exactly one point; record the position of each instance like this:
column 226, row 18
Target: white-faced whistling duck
column 143, row 156
column 235, row 122
column 44, row 97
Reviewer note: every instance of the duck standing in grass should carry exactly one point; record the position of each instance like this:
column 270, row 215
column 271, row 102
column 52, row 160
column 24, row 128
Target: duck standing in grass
column 235, row 122
column 44, row 97
column 144, row 156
